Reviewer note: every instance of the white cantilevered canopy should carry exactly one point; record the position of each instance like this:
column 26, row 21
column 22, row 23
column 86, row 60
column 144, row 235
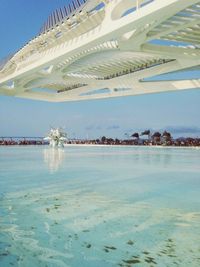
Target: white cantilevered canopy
column 98, row 49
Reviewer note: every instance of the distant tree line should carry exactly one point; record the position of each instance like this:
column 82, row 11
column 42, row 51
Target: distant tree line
column 152, row 139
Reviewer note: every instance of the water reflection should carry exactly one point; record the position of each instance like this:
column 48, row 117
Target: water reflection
column 154, row 156
column 54, row 157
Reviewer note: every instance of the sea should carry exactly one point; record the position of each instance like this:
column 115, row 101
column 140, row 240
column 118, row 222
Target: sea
column 99, row 206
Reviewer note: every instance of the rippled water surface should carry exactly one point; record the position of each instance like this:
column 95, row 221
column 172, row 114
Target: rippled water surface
column 99, row 207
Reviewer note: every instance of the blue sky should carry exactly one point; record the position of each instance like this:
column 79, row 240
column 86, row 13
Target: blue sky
column 20, row 20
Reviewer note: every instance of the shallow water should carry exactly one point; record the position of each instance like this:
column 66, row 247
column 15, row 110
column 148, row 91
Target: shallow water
column 99, row 207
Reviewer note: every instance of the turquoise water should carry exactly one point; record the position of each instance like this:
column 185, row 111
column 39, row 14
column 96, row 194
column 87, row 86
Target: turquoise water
column 99, row 207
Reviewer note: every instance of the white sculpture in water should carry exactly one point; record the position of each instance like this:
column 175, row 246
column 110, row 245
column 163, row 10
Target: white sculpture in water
column 56, row 137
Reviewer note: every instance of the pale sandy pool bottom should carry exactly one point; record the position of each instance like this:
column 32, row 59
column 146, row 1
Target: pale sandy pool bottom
column 114, row 207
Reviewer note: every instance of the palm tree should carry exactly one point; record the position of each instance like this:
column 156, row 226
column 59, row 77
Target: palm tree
column 147, row 132
column 103, row 139
column 156, row 137
column 135, row 135
column 166, row 137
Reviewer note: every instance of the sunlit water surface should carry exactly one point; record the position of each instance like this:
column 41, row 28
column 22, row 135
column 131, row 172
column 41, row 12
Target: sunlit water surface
column 99, row 207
